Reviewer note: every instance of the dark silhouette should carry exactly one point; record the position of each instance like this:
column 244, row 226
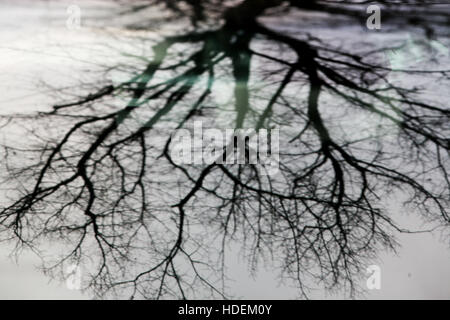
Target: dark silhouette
column 100, row 179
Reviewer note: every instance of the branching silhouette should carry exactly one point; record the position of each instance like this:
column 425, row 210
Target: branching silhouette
column 98, row 177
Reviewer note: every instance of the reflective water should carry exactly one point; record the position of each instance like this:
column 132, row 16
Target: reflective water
column 38, row 53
